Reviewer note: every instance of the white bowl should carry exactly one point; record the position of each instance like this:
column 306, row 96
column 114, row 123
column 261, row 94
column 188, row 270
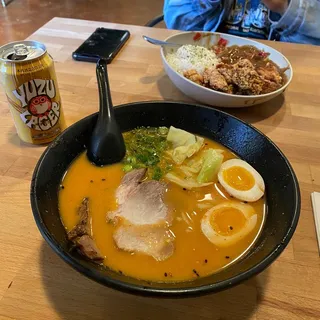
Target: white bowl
column 215, row 98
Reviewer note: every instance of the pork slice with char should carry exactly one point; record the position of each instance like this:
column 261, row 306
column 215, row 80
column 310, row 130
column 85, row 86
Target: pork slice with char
column 88, row 248
column 144, row 205
column 128, row 184
column 81, row 234
column 83, row 226
column 155, row 241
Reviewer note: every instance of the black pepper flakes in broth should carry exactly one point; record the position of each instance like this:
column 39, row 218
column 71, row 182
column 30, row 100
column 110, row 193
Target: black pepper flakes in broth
column 196, row 273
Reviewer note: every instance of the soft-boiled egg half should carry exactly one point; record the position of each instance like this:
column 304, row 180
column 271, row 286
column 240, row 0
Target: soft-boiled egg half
column 241, row 180
column 228, row 222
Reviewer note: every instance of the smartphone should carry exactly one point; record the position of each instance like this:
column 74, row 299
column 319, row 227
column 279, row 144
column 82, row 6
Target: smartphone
column 103, row 43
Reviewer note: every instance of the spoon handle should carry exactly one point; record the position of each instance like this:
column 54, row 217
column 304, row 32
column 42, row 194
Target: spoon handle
column 106, row 108
column 160, row 43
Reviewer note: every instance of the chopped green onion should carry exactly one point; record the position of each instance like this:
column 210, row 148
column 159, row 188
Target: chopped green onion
column 127, row 168
column 145, row 147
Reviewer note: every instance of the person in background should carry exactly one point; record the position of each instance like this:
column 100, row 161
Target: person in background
column 285, row 20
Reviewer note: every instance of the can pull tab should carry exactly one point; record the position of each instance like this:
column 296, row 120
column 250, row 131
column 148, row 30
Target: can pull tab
column 20, row 50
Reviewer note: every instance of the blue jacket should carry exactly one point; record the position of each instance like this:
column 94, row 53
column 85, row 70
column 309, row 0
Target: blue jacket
column 300, row 23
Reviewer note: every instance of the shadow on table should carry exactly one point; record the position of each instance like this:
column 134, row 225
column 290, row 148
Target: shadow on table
column 14, row 139
column 74, row 296
column 166, row 88
column 272, row 112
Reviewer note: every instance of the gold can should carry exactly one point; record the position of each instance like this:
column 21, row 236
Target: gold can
column 29, row 80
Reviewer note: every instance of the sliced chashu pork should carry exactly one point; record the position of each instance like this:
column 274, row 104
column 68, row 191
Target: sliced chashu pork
column 80, row 234
column 153, row 240
column 145, row 218
column 83, row 225
column 143, row 205
column 128, row 184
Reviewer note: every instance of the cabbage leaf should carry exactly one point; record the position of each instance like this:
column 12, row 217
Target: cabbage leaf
column 184, row 144
column 211, row 165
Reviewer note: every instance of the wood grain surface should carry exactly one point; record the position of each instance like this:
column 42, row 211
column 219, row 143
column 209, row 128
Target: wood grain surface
column 36, row 284
column 20, row 18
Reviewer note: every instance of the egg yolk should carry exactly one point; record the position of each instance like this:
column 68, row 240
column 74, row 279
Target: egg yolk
column 227, row 221
column 238, row 178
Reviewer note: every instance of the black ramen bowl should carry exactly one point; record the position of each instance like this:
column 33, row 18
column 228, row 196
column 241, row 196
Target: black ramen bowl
column 282, row 192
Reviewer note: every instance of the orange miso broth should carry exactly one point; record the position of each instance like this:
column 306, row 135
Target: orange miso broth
column 194, row 255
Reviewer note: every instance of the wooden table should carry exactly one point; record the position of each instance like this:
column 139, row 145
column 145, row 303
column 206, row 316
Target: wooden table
column 36, row 284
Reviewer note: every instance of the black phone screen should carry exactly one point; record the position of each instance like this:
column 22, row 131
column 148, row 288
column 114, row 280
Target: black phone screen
column 103, row 43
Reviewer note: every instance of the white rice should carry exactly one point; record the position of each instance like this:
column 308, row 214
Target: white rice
column 192, row 57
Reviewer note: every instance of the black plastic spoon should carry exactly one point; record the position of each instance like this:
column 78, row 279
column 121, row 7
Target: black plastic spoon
column 106, row 144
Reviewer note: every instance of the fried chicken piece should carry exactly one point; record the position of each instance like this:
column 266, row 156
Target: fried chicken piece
column 239, row 78
column 216, row 80
column 246, row 78
column 270, row 73
column 226, row 70
column 270, row 86
column 194, row 76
